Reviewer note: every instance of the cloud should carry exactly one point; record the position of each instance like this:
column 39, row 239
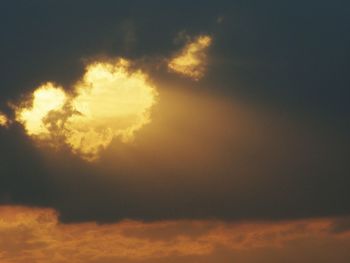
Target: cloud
column 202, row 156
column 199, row 157
column 341, row 225
column 35, row 235
column 3, row 120
column 44, row 99
column 191, row 61
column 110, row 101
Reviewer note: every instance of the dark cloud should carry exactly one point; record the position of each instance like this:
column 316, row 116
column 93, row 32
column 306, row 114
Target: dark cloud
column 246, row 164
column 281, row 152
column 23, row 177
column 341, row 225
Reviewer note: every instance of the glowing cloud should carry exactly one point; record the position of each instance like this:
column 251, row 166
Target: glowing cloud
column 45, row 99
column 3, row 120
column 192, row 60
column 110, row 101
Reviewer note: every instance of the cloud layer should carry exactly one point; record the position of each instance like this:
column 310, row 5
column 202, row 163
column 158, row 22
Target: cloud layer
column 35, row 235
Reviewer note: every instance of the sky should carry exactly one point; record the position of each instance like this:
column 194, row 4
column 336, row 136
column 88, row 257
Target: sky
column 172, row 131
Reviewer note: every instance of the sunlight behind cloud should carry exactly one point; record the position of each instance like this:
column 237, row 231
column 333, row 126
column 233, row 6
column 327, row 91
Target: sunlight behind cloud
column 110, row 101
column 192, row 59
column 46, row 98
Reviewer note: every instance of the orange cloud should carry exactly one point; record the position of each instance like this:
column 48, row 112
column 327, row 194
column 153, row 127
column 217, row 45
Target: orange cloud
column 35, row 235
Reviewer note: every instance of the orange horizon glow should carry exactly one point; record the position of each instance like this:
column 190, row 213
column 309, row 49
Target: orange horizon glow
column 36, row 235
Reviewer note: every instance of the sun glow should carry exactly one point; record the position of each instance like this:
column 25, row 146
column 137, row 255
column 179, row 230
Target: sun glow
column 110, row 101
column 45, row 99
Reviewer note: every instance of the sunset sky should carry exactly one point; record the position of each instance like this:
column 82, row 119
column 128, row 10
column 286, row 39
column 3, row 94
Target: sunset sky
column 174, row 131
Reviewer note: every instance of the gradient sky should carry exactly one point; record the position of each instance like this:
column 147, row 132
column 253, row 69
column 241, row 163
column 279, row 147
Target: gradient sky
column 245, row 160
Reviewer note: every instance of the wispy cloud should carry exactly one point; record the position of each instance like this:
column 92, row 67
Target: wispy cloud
column 191, row 61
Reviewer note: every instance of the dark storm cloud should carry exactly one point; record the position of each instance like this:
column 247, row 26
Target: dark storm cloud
column 22, row 174
column 290, row 56
column 47, row 40
column 293, row 54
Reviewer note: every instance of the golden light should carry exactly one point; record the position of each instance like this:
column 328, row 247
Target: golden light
column 110, row 101
column 3, row 120
column 45, row 99
column 192, row 60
